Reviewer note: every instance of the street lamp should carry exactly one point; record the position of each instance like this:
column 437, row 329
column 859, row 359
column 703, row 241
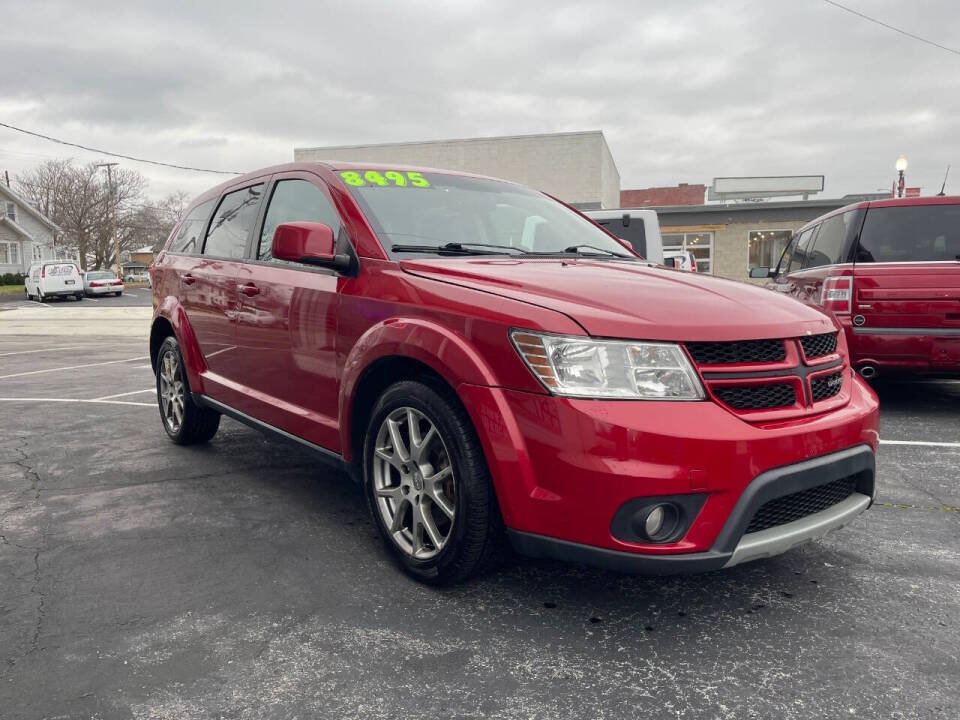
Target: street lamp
column 901, row 168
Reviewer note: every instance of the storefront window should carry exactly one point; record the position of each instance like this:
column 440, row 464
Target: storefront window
column 766, row 246
column 699, row 243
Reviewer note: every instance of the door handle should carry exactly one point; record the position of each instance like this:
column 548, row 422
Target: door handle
column 188, row 279
column 249, row 289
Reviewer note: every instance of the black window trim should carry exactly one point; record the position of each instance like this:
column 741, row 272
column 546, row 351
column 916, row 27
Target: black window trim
column 253, row 242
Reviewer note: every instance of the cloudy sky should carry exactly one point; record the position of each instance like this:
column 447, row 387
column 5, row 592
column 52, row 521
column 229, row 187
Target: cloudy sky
column 684, row 90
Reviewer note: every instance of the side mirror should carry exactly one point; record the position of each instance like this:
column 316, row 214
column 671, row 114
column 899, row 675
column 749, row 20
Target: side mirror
column 670, row 262
column 761, row 272
column 311, row 243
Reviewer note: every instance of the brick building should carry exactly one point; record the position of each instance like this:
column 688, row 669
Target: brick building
column 682, row 194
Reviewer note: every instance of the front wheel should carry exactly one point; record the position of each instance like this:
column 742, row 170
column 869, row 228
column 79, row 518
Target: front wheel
column 428, row 486
column 185, row 422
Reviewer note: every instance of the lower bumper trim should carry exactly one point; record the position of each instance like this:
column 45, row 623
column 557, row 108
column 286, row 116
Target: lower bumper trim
column 541, row 546
column 781, row 538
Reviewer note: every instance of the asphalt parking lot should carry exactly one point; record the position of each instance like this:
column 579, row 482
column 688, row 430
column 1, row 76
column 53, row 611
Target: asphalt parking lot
column 134, row 297
column 243, row 580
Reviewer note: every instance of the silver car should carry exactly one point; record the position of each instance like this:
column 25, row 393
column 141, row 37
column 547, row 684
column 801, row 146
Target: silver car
column 101, row 282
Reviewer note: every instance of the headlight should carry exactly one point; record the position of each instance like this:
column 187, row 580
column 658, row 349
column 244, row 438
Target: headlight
column 582, row 367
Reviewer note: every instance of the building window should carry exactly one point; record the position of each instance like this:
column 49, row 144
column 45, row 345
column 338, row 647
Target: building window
column 764, row 247
column 12, row 211
column 37, row 252
column 9, row 253
column 698, row 243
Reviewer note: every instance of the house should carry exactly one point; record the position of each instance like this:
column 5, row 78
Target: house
column 26, row 235
column 138, row 262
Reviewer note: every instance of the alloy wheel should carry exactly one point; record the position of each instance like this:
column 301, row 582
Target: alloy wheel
column 414, row 485
column 172, row 393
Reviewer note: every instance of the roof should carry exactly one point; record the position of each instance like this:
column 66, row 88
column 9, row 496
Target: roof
column 4, row 220
column 329, row 166
column 147, row 249
column 25, row 204
column 458, row 140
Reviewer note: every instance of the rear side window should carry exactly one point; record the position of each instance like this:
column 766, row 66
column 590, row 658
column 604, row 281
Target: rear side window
column 926, row 233
column 232, row 223
column 188, row 237
column 295, row 201
column 831, row 240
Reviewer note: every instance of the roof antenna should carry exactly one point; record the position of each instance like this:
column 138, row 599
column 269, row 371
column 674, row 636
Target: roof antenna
column 944, row 186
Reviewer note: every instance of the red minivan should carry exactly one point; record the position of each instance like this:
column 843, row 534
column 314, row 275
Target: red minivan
column 889, row 270
column 492, row 366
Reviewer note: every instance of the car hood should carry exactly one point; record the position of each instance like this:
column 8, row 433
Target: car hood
column 634, row 300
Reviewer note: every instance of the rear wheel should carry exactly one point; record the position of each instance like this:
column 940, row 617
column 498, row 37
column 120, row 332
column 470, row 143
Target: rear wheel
column 185, row 422
column 428, row 486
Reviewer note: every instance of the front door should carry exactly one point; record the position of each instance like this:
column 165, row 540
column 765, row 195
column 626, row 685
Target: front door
column 287, row 322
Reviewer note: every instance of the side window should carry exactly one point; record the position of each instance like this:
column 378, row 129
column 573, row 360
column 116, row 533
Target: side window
column 798, row 259
column 828, row 249
column 295, row 201
column 232, row 223
column 187, row 239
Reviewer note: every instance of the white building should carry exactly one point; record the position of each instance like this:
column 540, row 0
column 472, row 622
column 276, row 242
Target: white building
column 576, row 167
column 26, row 235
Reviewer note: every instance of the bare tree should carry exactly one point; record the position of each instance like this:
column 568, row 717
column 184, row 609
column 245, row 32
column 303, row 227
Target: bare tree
column 79, row 200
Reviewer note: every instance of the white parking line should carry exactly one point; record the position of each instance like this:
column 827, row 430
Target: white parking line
column 72, row 367
column 129, row 294
column 27, row 352
column 921, row 443
column 134, row 392
column 75, row 400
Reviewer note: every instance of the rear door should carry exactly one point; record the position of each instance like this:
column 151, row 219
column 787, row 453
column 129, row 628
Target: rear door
column 287, row 321
column 60, row 277
column 208, row 285
column 907, row 285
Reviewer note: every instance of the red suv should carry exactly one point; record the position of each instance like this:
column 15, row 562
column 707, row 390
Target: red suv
column 491, row 364
column 889, row 270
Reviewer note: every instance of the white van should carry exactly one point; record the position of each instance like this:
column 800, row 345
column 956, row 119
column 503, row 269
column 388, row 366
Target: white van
column 640, row 228
column 54, row 278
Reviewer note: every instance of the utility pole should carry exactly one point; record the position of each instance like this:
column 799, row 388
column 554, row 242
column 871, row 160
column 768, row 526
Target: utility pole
column 112, row 224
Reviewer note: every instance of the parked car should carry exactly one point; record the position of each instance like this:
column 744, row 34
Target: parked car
column 680, row 260
column 54, row 278
column 889, row 271
column 490, row 364
column 102, row 282
column 640, row 228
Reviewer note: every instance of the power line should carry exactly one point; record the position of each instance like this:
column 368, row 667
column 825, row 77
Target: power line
column 891, row 27
column 119, row 155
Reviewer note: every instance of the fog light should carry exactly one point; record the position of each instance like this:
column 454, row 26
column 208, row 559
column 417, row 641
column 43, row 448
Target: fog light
column 653, row 523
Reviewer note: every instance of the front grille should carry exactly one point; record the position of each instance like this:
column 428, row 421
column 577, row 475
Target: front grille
column 738, row 351
column 797, row 505
column 756, row 397
column 819, row 345
column 826, row 386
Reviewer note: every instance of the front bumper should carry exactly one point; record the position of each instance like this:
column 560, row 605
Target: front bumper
column 562, row 469
column 732, row 546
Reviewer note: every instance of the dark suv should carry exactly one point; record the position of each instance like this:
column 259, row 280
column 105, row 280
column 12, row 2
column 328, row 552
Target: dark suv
column 492, row 365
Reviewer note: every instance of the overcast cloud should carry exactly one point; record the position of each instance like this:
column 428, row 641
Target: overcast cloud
column 684, row 91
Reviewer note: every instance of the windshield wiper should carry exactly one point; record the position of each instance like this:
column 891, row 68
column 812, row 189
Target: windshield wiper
column 458, row 248
column 575, row 249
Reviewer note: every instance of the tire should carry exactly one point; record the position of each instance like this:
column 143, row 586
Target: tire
column 78, row 297
column 185, row 422
column 40, row 297
column 472, row 540
column 118, row 294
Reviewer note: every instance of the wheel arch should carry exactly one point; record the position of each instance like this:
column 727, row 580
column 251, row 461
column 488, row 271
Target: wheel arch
column 170, row 319
column 398, row 350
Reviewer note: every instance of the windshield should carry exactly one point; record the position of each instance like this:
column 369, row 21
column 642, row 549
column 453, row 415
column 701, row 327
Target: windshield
column 430, row 210
column 100, row 276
